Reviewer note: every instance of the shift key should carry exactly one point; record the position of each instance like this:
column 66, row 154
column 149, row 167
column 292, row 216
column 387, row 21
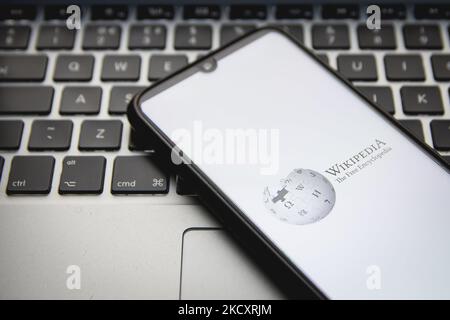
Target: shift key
column 138, row 175
column 26, row 100
column 22, row 67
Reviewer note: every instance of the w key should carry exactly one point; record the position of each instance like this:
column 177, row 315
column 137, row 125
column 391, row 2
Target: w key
column 125, row 68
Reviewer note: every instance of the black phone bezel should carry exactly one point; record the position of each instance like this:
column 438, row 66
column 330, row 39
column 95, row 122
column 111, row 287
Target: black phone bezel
column 293, row 280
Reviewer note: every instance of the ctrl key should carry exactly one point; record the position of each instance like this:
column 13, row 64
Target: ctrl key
column 30, row 175
column 138, row 175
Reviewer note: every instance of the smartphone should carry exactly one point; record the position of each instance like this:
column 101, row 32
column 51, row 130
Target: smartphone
column 305, row 170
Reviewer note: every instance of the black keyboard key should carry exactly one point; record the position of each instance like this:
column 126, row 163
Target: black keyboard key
column 358, row 67
column 125, row 68
column 422, row 37
column 55, row 37
column 81, row 100
column 163, row 65
column 74, row 68
column 56, row 12
column 343, row 11
column 147, row 37
column 193, row 37
column 101, row 37
column 294, row 30
column 30, row 175
column 440, row 130
column 121, row 97
column 441, row 66
column 415, row 127
column 82, row 175
column 100, row 135
column 292, row 11
column 392, row 11
column 26, row 100
column 14, row 37
column 330, row 37
column 139, row 142
column 138, row 175
column 383, row 38
column 421, row 100
column 432, row 11
column 50, row 135
column 245, row 12
column 404, row 68
column 380, row 96
column 10, row 134
column 229, row 33
column 152, row 12
column 185, row 187
column 117, row 12
column 2, row 162
column 22, row 67
column 201, row 12
column 17, row 12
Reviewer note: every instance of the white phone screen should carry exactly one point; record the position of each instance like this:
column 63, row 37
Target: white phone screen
column 353, row 202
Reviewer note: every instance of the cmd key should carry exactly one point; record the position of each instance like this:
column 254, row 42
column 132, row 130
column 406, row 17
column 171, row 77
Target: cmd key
column 30, row 175
column 26, row 100
column 22, row 67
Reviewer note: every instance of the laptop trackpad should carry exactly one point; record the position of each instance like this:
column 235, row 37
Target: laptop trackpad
column 214, row 267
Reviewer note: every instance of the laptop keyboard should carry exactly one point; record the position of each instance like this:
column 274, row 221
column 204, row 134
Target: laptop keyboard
column 64, row 93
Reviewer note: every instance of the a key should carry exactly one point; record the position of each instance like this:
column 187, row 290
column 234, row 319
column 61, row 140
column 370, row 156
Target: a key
column 101, row 37
column 121, row 97
column 147, row 37
column 153, row 12
column 17, row 12
column 74, row 68
column 193, row 37
column 415, row 127
column 125, row 68
column 294, row 30
column 380, row 96
column 392, row 11
column 432, row 11
column 22, row 67
column 2, row 162
column 30, row 175
column 56, row 12
column 330, row 37
column 201, row 12
column 347, row 11
column 163, row 65
column 383, row 38
column 50, row 135
column 292, row 11
column 404, row 68
column 139, row 142
column 138, row 174
column 358, row 67
column 245, row 12
column 440, row 130
column 422, row 37
column 184, row 187
column 82, row 175
column 81, row 100
column 55, row 37
column 441, row 66
column 116, row 12
column 230, row 32
column 421, row 100
column 100, row 135
column 26, row 100
column 10, row 134
column 14, row 37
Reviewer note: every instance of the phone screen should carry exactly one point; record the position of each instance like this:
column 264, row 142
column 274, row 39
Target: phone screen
column 350, row 199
